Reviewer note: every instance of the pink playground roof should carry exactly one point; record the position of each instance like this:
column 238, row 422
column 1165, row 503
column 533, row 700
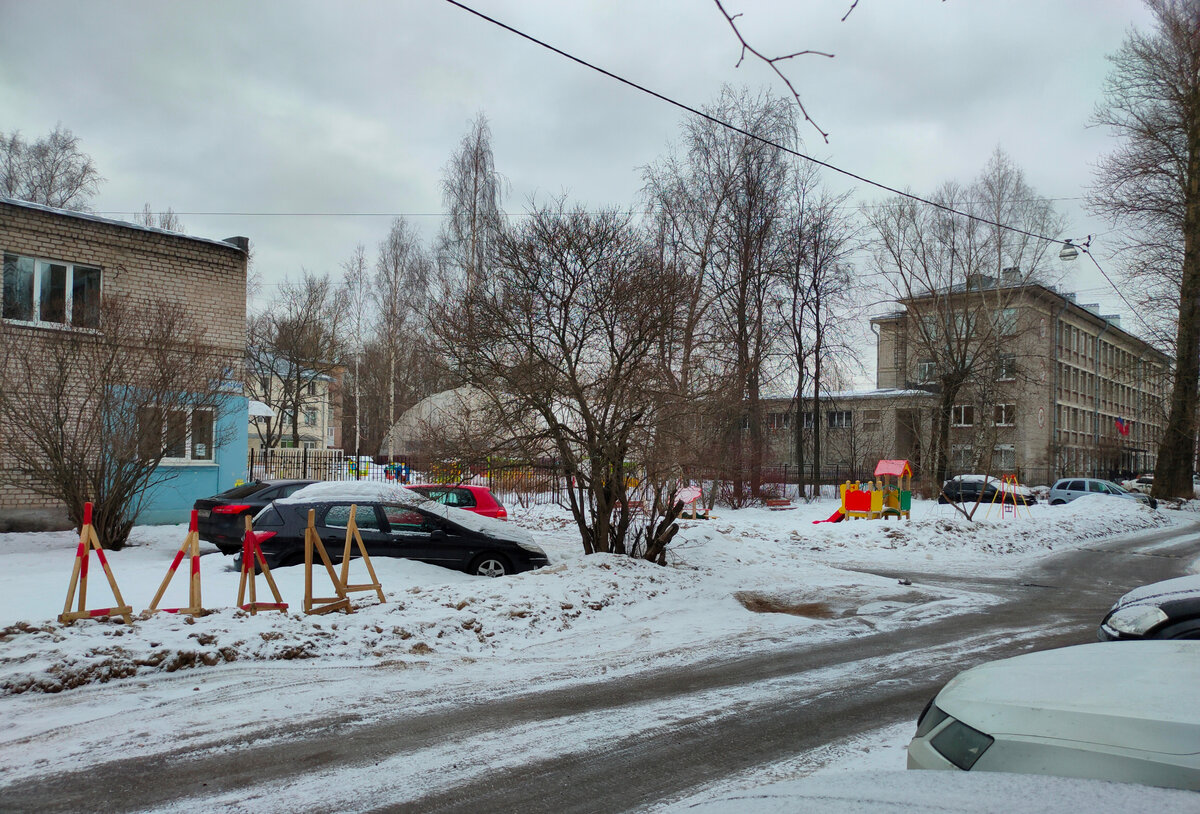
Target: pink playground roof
column 896, row 468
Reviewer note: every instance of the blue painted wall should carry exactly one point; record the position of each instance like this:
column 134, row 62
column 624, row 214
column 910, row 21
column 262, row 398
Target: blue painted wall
column 170, row 500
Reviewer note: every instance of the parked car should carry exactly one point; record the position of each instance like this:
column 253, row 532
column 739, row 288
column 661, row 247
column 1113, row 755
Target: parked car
column 1161, row 610
column 1141, row 484
column 220, row 516
column 1125, row 712
column 967, row 488
column 395, row 522
column 1065, row 490
column 478, row 499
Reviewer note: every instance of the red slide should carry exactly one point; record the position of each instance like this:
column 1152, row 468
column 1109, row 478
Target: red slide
column 836, row 517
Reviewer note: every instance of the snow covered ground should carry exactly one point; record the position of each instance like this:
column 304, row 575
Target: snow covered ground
column 745, row 581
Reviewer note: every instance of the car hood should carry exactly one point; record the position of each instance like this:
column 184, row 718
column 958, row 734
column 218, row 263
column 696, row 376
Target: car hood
column 1133, row 695
column 1157, row 593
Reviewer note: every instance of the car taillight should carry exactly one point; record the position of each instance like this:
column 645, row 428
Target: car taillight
column 232, row 508
column 263, row 536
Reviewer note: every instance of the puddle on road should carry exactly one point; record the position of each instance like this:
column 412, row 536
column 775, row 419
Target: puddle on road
column 851, row 604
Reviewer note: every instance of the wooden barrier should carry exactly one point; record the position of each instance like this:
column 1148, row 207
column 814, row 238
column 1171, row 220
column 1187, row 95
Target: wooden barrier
column 190, row 547
column 352, row 535
column 79, row 576
column 312, row 542
column 252, row 553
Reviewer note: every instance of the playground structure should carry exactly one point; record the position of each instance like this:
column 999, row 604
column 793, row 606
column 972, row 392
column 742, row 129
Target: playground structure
column 1009, row 497
column 888, row 495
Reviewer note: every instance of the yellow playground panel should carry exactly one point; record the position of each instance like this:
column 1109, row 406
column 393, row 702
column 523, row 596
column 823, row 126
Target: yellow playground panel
column 889, row 495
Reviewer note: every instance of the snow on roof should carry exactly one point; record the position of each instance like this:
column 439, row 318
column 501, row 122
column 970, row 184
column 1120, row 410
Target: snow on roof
column 71, row 213
column 377, row 491
column 878, row 393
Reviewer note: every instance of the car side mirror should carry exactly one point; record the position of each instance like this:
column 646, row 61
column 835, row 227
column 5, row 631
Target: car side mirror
column 437, row 536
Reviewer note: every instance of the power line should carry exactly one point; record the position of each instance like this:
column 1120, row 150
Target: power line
column 747, row 133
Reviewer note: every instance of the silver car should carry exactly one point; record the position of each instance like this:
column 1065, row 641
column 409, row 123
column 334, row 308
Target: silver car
column 1065, row 490
column 1122, row 711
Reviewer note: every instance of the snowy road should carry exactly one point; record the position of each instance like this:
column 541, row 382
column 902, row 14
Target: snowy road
column 613, row 743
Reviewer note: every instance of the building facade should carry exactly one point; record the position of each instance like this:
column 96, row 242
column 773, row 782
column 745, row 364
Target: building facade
column 1070, row 393
column 57, row 266
column 319, row 420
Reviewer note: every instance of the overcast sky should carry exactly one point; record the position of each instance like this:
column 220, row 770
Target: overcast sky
column 350, row 111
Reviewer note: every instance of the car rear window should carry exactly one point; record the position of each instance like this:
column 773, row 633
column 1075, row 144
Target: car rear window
column 450, row 496
column 268, row 517
column 237, row 492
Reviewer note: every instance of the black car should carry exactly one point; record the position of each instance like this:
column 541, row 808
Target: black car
column 404, row 525
column 220, row 516
column 1162, row 610
column 967, row 488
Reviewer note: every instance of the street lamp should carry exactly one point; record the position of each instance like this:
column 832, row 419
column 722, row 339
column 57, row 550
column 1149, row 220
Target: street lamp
column 1071, row 250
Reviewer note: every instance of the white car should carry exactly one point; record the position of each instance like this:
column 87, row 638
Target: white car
column 1141, row 484
column 1122, row 711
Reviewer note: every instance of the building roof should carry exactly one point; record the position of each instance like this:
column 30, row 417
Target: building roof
column 228, row 243
column 847, row 395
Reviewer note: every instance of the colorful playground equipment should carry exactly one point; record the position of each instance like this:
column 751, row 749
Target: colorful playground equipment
column 889, row 495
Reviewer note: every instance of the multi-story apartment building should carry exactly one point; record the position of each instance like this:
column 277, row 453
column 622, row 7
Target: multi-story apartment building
column 1068, row 391
column 57, row 265
column 319, row 415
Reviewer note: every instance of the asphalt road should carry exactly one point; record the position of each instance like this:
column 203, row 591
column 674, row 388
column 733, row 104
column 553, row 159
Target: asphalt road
column 841, row 689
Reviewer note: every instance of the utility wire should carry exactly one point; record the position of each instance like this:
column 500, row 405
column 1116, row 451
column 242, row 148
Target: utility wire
column 747, row 133
column 777, row 146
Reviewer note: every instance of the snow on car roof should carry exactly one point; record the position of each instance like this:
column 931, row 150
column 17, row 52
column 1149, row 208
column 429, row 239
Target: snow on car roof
column 377, row 491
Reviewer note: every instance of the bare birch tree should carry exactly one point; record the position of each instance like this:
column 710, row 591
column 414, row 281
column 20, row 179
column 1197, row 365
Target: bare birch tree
column 52, row 171
column 472, row 192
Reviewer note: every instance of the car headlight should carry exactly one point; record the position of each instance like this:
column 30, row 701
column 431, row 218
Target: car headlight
column 960, row 744
column 1135, row 620
column 532, row 548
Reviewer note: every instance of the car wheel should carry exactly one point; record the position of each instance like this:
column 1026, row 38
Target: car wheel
column 1057, row 502
column 490, row 565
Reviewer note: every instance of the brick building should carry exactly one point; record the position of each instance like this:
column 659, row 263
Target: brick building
column 56, row 265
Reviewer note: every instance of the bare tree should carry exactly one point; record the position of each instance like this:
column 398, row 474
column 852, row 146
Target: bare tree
column 90, row 415
column 166, row 220
column 52, row 170
column 358, row 296
column 472, row 192
column 956, row 278
column 820, row 236
column 563, row 344
column 291, row 346
column 403, row 274
column 1150, row 185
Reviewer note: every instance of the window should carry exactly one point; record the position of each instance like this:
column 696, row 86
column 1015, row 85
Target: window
column 1006, row 415
column 1004, row 458
column 962, row 415
column 926, row 371
column 41, row 291
column 808, row 421
column 838, row 418
column 1006, row 368
column 338, row 517
column 779, row 421
column 178, row 434
column 962, row 457
column 310, row 416
column 872, row 419
column 312, row 388
column 1006, row 321
column 402, row 519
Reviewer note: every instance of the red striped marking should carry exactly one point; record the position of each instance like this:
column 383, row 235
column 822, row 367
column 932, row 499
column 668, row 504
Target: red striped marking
column 100, row 556
column 87, row 514
column 178, row 559
column 195, row 524
column 195, row 566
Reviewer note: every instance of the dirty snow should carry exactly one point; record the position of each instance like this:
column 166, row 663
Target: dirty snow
column 444, row 635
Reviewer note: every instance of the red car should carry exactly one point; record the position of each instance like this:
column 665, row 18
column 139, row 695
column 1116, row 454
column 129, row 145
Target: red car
column 478, row 499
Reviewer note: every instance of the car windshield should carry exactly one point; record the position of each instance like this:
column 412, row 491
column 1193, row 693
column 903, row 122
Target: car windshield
column 1116, row 490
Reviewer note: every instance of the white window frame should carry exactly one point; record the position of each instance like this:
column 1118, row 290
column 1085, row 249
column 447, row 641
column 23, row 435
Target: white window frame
column 1006, row 371
column 1005, row 415
column 958, row 415
column 926, row 371
column 839, row 419
column 999, row 454
column 68, row 288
